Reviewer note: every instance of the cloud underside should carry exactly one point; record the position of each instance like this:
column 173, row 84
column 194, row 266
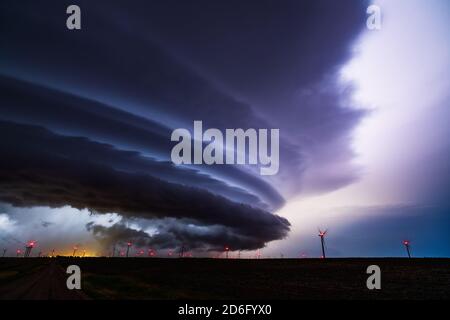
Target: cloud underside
column 170, row 234
column 53, row 176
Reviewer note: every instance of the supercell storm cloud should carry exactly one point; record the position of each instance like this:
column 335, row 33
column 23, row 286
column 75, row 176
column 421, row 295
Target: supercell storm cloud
column 86, row 116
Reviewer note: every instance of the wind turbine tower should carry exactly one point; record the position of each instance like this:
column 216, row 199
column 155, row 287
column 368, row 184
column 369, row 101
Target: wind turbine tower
column 128, row 248
column 182, row 251
column 30, row 245
column 407, row 244
column 322, row 241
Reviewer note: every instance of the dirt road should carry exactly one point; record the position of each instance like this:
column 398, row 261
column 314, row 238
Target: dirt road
column 49, row 283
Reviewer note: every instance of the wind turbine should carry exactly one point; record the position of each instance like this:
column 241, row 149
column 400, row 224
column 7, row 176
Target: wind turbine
column 4, row 252
column 322, row 241
column 128, row 248
column 29, row 246
column 227, row 249
column 75, row 248
column 182, row 251
column 407, row 243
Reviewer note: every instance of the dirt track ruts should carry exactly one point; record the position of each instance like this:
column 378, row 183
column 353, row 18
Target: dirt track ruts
column 49, row 283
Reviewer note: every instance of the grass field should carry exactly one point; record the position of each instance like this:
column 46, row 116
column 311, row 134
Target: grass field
column 153, row 278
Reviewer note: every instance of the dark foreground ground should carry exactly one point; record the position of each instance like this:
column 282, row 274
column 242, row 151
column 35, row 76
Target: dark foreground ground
column 152, row 278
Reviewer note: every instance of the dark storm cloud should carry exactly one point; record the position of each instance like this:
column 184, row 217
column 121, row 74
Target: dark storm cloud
column 136, row 71
column 49, row 170
column 75, row 116
column 173, row 234
column 118, row 234
column 323, row 131
column 231, row 64
column 282, row 65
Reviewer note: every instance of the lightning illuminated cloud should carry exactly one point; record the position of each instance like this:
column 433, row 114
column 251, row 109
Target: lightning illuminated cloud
column 88, row 114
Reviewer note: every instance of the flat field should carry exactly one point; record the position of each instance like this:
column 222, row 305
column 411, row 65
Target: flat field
column 196, row 278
